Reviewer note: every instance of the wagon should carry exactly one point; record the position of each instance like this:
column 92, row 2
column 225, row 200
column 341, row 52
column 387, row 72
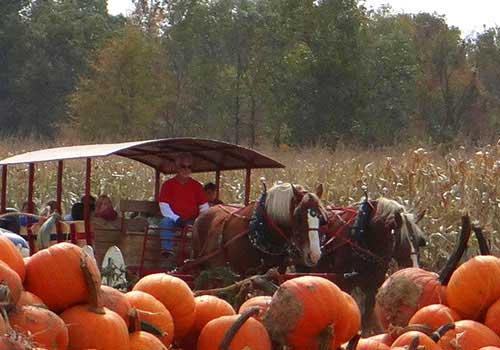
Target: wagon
column 137, row 238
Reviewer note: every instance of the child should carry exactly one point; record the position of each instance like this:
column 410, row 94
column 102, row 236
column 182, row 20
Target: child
column 104, row 208
column 211, row 191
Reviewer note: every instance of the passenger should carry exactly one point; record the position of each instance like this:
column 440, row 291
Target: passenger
column 49, row 208
column 182, row 199
column 211, row 192
column 104, row 208
column 77, row 210
column 25, row 220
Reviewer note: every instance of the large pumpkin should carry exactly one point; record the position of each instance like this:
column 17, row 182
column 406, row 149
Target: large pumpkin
column 262, row 302
column 10, row 285
column 251, row 335
column 116, row 301
column 45, row 327
column 145, row 341
column 10, row 255
column 306, row 312
column 492, row 319
column 175, row 295
column 151, row 311
column 434, row 316
column 468, row 335
column 55, row 275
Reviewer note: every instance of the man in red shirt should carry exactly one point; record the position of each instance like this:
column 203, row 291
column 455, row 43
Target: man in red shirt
column 182, row 199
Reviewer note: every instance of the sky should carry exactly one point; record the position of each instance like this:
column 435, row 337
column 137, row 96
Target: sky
column 469, row 16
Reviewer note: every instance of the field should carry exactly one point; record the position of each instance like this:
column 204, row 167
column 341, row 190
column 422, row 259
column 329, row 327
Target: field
column 444, row 183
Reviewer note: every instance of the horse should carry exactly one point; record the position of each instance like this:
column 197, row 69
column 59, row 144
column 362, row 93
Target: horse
column 390, row 233
column 282, row 226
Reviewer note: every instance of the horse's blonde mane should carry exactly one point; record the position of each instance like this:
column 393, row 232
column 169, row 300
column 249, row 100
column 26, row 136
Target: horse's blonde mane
column 278, row 201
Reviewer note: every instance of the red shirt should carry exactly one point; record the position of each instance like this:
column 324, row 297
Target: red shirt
column 184, row 198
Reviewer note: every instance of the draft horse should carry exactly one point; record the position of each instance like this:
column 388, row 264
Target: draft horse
column 390, row 232
column 282, row 226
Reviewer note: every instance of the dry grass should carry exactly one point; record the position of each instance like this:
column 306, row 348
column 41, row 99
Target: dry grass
column 444, row 183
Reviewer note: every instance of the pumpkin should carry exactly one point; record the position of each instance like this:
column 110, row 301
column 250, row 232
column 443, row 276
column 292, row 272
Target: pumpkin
column 406, row 339
column 15, row 341
column 10, row 285
column 410, row 289
column 306, row 311
column 468, row 335
column 492, row 319
column 434, row 316
column 10, row 255
column 116, row 301
column 262, row 302
column 154, row 313
column 370, row 344
column 383, row 338
column 175, row 295
column 474, row 287
column 44, row 327
column 246, row 333
column 350, row 319
column 55, row 275
column 208, row 308
column 145, row 341
column 490, row 348
column 28, row 298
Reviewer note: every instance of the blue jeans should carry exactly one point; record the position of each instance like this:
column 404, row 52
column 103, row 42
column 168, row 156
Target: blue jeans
column 168, row 227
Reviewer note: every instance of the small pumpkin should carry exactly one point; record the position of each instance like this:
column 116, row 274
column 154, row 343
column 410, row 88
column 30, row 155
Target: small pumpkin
column 371, row 344
column 262, row 302
column 116, row 301
column 208, row 308
column 383, row 338
column 407, row 338
column 44, row 327
column 175, row 295
column 141, row 340
column 28, row 298
column 434, row 316
column 10, row 255
column 468, row 335
column 10, row 285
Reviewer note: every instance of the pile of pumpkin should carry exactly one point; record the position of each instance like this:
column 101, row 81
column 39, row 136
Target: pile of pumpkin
column 54, row 300
column 455, row 309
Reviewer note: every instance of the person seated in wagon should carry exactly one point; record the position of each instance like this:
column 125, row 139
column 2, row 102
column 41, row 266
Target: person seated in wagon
column 182, row 199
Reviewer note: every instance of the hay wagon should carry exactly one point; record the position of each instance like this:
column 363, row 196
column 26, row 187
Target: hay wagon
column 137, row 237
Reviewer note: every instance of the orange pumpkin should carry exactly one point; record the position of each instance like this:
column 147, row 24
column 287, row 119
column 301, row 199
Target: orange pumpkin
column 175, row 295
column 208, row 308
column 474, row 287
column 350, row 318
column 10, row 255
column 150, row 310
column 28, row 298
column 145, row 341
column 305, row 312
column 370, row 344
column 492, row 319
column 383, row 338
column 406, row 339
column 490, row 348
column 15, row 341
column 262, row 302
column 468, row 335
column 43, row 326
column 434, row 316
column 55, row 275
column 251, row 335
column 116, row 301
column 11, row 280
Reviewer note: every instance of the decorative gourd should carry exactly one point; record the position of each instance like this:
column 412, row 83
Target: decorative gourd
column 28, row 298
column 44, row 327
column 116, row 301
column 306, row 312
column 145, row 341
column 434, row 316
column 10, row 255
column 406, row 339
column 492, row 319
column 474, row 287
column 175, row 295
column 262, row 302
column 154, row 313
column 237, row 332
column 468, row 335
column 410, row 289
column 10, row 285
column 92, row 326
column 55, row 275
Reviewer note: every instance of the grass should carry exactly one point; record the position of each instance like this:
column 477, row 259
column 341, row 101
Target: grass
column 446, row 184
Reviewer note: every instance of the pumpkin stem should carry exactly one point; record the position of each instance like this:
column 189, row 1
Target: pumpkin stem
column 481, row 240
column 458, row 252
column 353, row 343
column 231, row 333
column 414, row 343
column 442, row 331
column 397, row 331
column 326, row 337
column 94, row 285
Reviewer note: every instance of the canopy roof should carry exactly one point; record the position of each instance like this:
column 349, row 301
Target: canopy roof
column 208, row 155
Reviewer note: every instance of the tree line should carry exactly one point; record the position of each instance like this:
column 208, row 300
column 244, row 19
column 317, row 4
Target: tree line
column 297, row 72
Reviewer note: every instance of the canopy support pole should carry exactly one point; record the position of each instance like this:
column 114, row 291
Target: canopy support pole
column 247, row 186
column 3, row 200
column 31, row 181
column 157, row 185
column 60, row 167
column 217, row 182
column 86, row 202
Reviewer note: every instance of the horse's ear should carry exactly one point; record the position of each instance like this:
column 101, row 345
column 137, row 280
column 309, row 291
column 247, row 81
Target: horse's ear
column 319, row 190
column 420, row 216
column 398, row 219
column 296, row 192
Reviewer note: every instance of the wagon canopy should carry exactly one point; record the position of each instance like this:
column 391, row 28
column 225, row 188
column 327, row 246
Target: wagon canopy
column 208, row 155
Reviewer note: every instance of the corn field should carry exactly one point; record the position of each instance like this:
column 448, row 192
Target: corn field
column 445, row 184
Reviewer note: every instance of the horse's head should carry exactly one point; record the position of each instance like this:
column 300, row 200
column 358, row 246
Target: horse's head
column 300, row 212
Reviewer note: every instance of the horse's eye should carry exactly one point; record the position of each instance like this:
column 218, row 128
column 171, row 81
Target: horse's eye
column 313, row 212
